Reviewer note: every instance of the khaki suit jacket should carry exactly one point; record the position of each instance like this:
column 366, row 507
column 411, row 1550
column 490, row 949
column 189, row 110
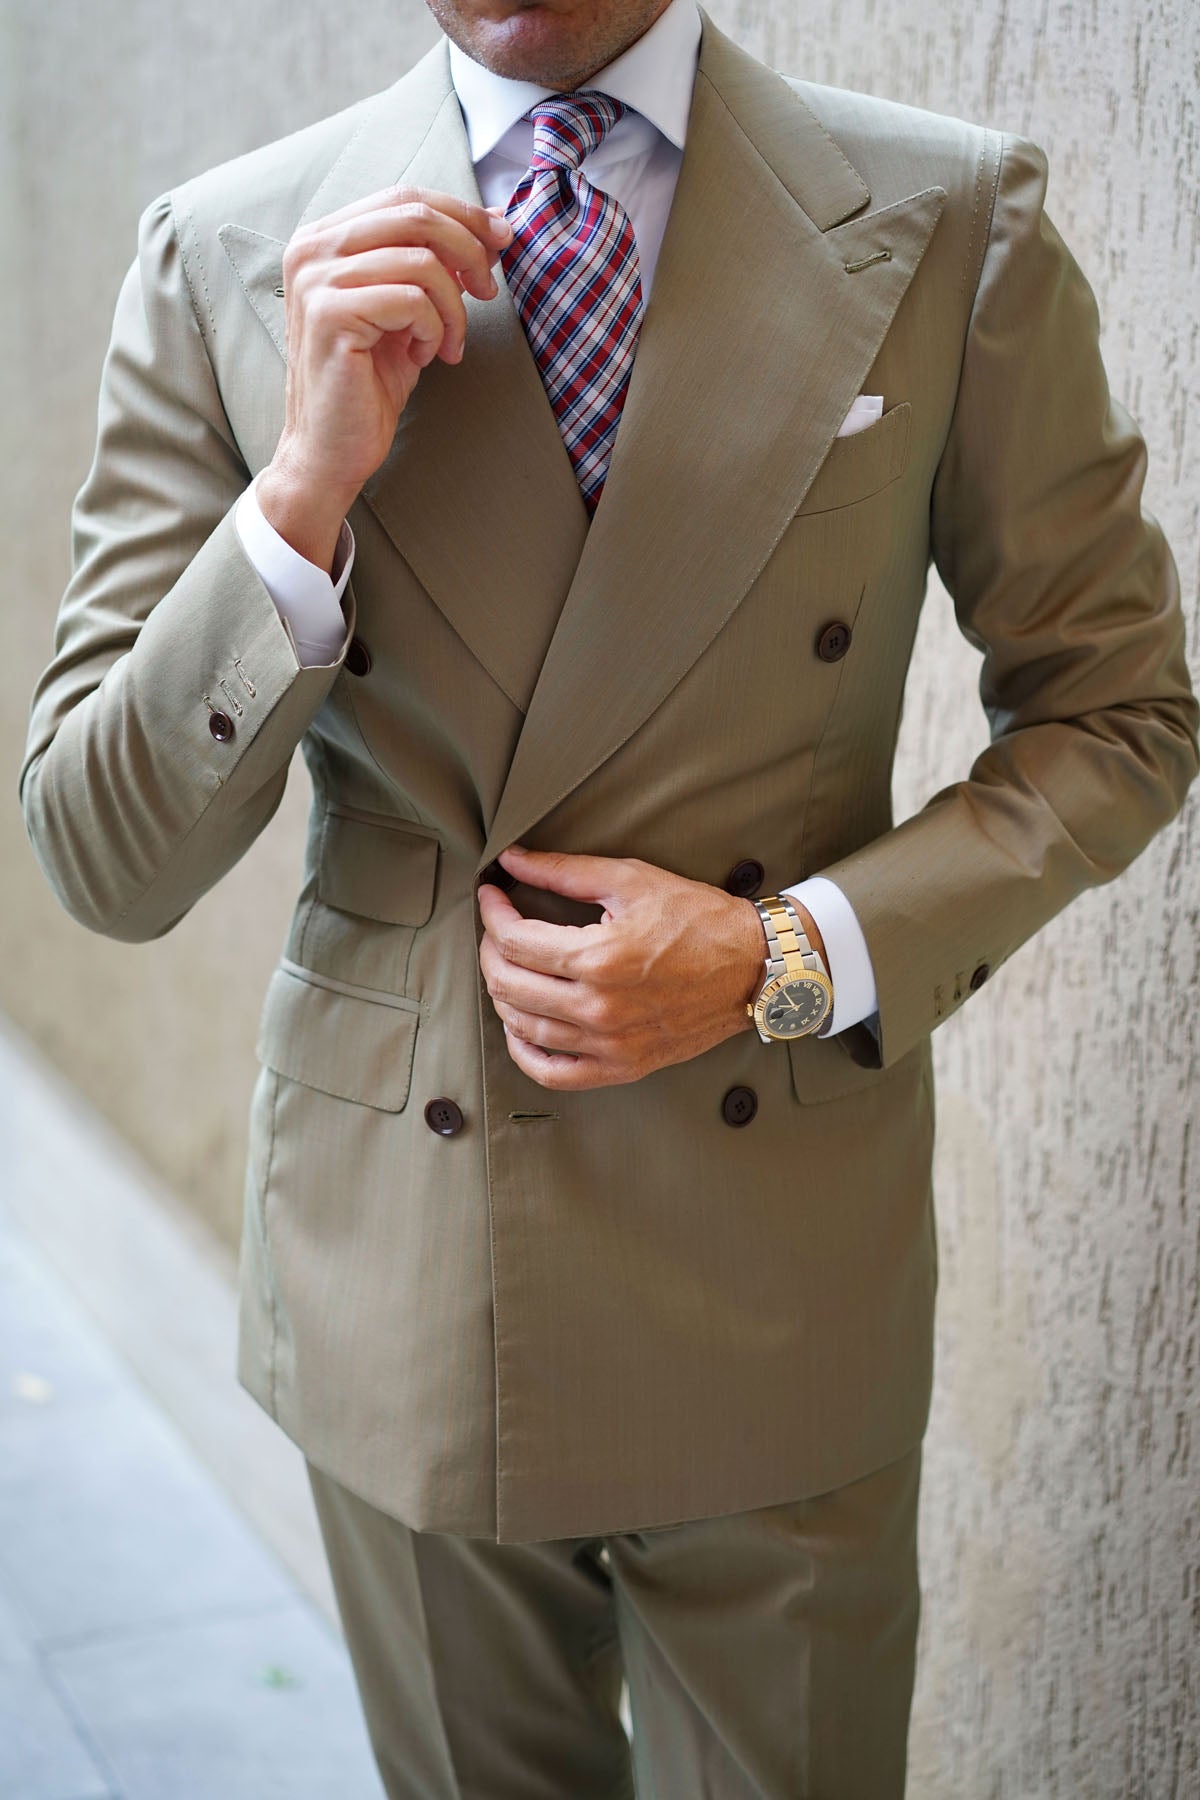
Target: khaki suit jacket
column 612, row 1310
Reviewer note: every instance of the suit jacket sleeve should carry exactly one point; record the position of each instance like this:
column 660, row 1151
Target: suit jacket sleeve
column 133, row 806
column 1069, row 590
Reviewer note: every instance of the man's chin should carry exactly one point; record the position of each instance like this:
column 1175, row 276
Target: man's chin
column 534, row 44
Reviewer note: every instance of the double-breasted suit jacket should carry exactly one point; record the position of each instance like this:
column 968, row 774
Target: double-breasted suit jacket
column 610, row 1310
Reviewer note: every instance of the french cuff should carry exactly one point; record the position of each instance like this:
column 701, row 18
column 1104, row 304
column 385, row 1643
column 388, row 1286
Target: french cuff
column 307, row 599
column 854, row 996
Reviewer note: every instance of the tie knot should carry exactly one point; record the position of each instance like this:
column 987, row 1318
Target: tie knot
column 570, row 126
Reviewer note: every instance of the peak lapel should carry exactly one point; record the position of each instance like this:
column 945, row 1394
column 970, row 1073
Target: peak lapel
column 393, row 127
column 755, row 342
column 477, row 493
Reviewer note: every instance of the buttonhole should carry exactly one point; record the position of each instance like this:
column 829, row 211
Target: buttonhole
column 865, row 262
column 279, row 293
column 530, row 1118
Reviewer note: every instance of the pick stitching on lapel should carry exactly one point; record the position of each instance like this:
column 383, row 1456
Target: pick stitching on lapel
column 258, row 264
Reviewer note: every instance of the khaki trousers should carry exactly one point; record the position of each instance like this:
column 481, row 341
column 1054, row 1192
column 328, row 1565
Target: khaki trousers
column 769, row 1654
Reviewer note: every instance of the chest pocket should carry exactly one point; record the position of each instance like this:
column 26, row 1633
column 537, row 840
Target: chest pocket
column 862, row 464
column 377, row 868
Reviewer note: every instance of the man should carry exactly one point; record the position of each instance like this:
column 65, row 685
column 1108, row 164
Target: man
column 581, row 541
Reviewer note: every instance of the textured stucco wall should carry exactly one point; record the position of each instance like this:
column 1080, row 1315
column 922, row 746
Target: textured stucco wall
column 1061, row 1521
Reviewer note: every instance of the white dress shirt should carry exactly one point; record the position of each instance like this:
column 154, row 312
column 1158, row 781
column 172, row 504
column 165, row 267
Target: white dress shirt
column 638, row 164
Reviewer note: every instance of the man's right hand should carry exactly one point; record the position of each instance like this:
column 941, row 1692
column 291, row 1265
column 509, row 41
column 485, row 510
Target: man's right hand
column 373, row 293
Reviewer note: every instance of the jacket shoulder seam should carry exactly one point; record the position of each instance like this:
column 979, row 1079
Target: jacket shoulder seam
column 188, row 226
column 993, row 144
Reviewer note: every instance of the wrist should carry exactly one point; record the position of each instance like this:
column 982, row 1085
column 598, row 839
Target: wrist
column 307, row 515
column 752, row 955
column 794, row 994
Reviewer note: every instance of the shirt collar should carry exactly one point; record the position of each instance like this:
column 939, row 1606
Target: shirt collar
column 655, row 77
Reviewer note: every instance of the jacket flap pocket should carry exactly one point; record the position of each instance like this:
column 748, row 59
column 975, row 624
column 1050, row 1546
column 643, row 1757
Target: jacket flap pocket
column 824, row 1069
column 861, row 464
column 359, row 1049
column 377, row 869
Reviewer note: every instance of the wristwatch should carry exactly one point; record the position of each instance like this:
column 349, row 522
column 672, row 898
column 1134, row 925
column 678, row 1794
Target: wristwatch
column 797, row 996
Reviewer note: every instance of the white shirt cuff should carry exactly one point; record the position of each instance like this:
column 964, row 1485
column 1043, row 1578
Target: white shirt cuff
column 307, row 599
column 853, row 978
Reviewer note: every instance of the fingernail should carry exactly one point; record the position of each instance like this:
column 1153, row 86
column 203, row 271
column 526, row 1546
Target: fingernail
column 501, row 230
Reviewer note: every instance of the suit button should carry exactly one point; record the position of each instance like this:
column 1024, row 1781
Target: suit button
column 833, row 642
column 745, row 878
column 221, row 726
column 358, row 657
column 739, row 1106
column 978, row 977
column 496, row 876
column 444, row 1116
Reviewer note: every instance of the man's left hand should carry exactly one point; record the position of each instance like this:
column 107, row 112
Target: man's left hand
column 663, row 976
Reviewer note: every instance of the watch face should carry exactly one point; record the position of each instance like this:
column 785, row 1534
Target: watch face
column 795, row 1007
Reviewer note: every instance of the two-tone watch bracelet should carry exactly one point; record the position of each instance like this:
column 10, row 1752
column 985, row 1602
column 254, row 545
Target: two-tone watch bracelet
column 790, row 952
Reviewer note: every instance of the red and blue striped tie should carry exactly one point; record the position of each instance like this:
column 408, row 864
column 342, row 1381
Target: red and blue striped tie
column 572, row 269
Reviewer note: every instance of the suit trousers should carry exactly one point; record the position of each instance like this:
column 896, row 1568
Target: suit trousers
column 769, row 1655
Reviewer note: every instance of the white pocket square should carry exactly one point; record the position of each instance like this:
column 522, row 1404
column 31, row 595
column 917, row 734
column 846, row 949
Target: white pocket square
column 865, row 411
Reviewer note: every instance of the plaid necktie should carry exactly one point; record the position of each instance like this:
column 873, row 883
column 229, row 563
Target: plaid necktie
column 572, row 269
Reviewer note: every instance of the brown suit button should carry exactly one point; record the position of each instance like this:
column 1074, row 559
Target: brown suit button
column 739, row 1106
column 833, row 642
column 358, row 657
column 978, row 977
column 496, row 876
column 745, row 878
column 221, row 726
column 444, row 1116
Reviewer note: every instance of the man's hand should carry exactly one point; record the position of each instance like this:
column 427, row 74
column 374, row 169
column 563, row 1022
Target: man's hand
column 373, row 292
column 662, row 977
